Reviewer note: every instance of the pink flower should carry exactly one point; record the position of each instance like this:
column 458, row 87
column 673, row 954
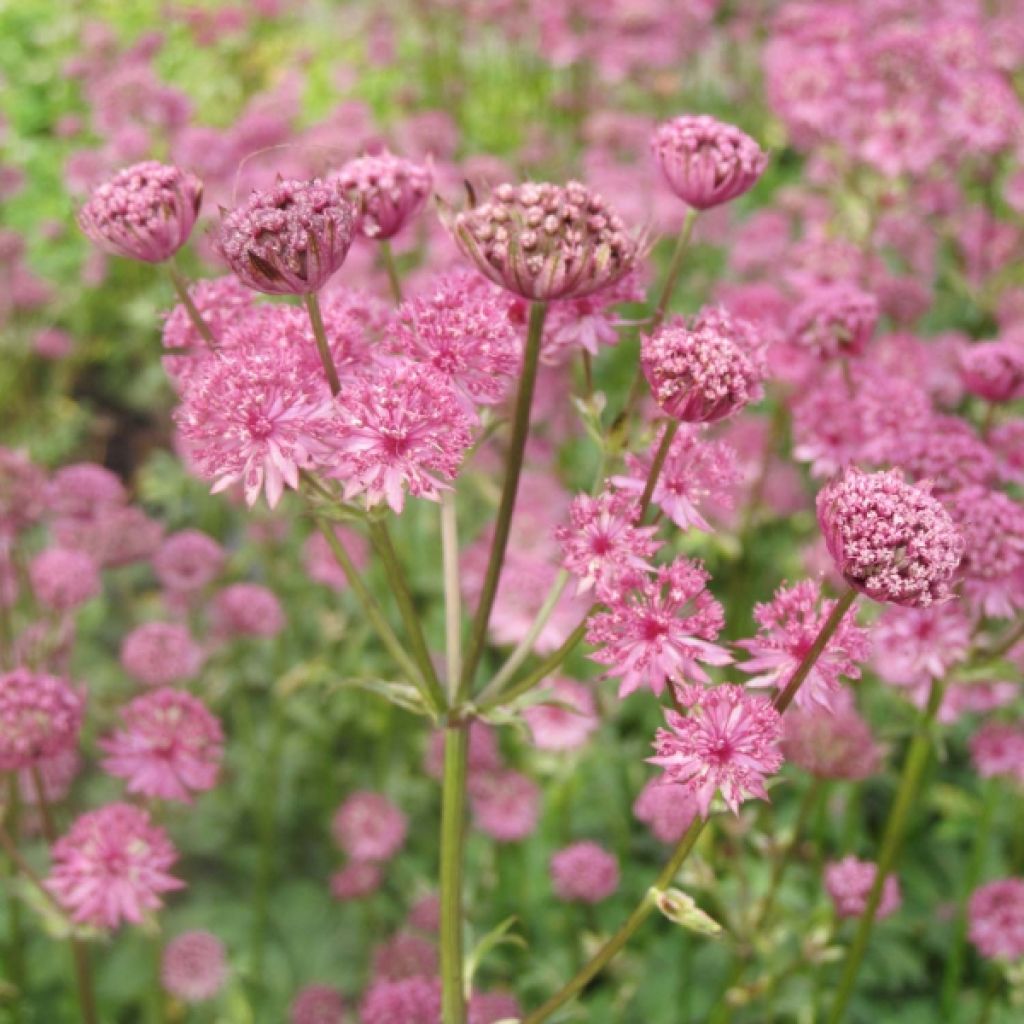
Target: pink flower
column 317, row 1004
column 666, row 808
column 356, row 880
column 830, row 744
column 145, row 212
column 492, row 1008
column 290, row 239
column 728, row 743
column 998, row 749
column 425, row 913
column 193, row 968
column 584, row 873
column 660, row 630
column 40, row 717
column 23, row 491
column 409, row 1001
column 996, row 919
column 567, row 724
column 849, row 882
column 483, row 756
column 834, row 320
column 188, row 561
column 915, row 645
column 248, row 609
column 112, row 866
column 368, row 827
column 703, row 373
column 403, row 429
column 63, row 579
column 405, row 955
column 544, row 241
column 1007, row 441
column 56, row 773
column 159, row 653
column 113, row 536
column 390, row 191
column 320, row 564
column 505, row 805
column 993, row 370
column 170, row 746
column 707, row 162
column 604, row 546
column 889, row 539
column 789, row 625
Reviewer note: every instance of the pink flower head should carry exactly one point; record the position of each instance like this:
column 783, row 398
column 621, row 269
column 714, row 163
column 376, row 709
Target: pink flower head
column 1007, row 442
column 661, row 630
column 789, row 625
column 697, row 472
column 425, row 913
column 997, row 749
column 317, row 1004
column 403, row 429
column 56, row 773
column 170, row 746
column 159, row 653
column 889, row 539
column 251, row 417
column 389, row 191
column 567, row 724
column 462, row 329
column 849, row 882
column 194, row 968
column 666, row 808
column 707, row 162
column 40, row 716
column 368, row 826
column 834, row 320
column 112, row 866
column 993, row 370
column 729, row 742
column 505, row 805
column 492, row 1008
column 248, row 609
column 356, row 881
column 545, row 242
column 584, row 873
column 405, row 955
column 830, row 744
column 703, row 373
column 289, row 239
column 22, row 491
column 604, row 546
column 320, row 564
column 145, row 212
column 63, row 579
column 188, row 561
column 409, row 1001
column 996, row 919
column 915, row 645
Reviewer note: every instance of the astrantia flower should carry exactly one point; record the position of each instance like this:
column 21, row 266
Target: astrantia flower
column 158, row 653
column 834, row 320
column 703, row 373
column 145, row 212
column 889, row 539
column 290, row 239
column 728, row 743
column 62, row 578
column 492, row 1008
column 997, row 748
column 114, row 536
column 22, row 491
column 40, row 716
column 666, row 808
column 604, row 545
column 56, row 773
column 320, row 564
column 193, row 968
column 403, row 429
column 248, row 609
column 170, row 746
column 188, row 561
column 996, row 919
column 317, row 1004
column 505, row 804
column 567, row 724
column 707, row 162
column 661, row 630
column 356, row 880
column 994, row 370
column 696, row 473
column 1007, row 442
column 461, row 328
column 915, row 645
column 390, row 191
column 250, row 417
column 830, row 744
column 112, row 866
column 544, row 241
column 369, row 827
column 849, row 882
column 584, row 873
column 405, row 955
column 409, row 1001
column 789, row 625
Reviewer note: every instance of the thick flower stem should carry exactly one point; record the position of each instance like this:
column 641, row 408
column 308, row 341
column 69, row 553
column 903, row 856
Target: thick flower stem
column 453, row 807
column 510, row 488
column 671, row 429
column 452, row 593
column 394, row 281
column 892, row 838
column 381, row 537
column 181, row 288
column 317, row 321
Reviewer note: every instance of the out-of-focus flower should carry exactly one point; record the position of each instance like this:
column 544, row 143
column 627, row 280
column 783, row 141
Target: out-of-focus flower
column 23, row 491
column 995, row 917
column 159, row 653
column 317, row 1004
column 666, row 808
column 830, row 744
column 567, row 724
column 369, row 827
column 834, row 320
column 849, row 881
column 997, row 748
column 483, row 756
column 194, row 968
column 40, row 716
column 63, row 579
column 188, row 561
column 356, row 881
column 584, row 873
column 321, row 565
column 993, row 370
column 405, row 955
column 492, row 1008
column 390, row 191
column 248, row 609
column 915, row 645
column 505, row 805
column 410, row 1000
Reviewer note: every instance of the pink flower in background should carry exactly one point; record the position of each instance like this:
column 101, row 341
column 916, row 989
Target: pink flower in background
column 248, row 609
column 56, row 772
column 389, row 191
column 405, row 955
column 997, row 749
column 321, row 565
column 188, row 561
column 728, row 743
column 23, row 491
column 112, row 866
column 193, row 968
column 159, row 653
column 666, row 808
column 830, row 744
column 114, row 536
column 914, row 645
column 425, row 914
column 506, row 805
column 1007, row 442
column 834, row 320
column 492, row 1008
column 484, row 755
column 369, row 827
column 584, row 873
column 64, row 579
column 849, row 882
column 40, row 717
column 661, row 630
column 317, row 1004
column 170, row 746
column 567, row 724
column 993, row 370
column 356, row 881
column 995, row 917
column 410, row 1000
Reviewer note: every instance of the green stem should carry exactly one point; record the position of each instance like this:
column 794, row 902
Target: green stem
column 503, row 523
column 157, row 1004
column 181, row 288
column 16, row 950
column 317, row 321
column 671, row 428
column 452, row 594
column 453, row 802
column 394, row 281
column 381, row 537
column 895, row 827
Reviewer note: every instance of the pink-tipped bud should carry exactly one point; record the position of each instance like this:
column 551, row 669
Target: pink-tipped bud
column 390, row 190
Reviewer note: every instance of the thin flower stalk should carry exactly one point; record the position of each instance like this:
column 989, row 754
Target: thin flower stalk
column 320, row 334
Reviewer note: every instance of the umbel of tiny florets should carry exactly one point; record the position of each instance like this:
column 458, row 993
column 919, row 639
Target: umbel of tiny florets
column 145, row 212
column 390, row 190
column 290, row 239
column 545, row 242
